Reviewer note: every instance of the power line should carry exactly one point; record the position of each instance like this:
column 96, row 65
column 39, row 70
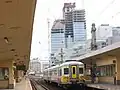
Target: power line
column 115, row 14
column 107, row 7
column 104, row 10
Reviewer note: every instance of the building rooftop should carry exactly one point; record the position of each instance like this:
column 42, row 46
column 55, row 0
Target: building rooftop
column 58, row 24
column 104, row 24
column 69, row 5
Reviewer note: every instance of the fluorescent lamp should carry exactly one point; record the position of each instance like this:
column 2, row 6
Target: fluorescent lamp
column 6, row 40
column 12, row 50
column 16, row 55
column 18, row 59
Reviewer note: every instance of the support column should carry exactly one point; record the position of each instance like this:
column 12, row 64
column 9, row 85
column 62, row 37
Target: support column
column 9, row 82
column 118, row 70
column 11, row 76
column 20, row 75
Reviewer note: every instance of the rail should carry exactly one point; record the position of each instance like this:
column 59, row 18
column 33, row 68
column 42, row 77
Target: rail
column 38, row 84
column 33, row 85
column 47, row 86
column 43, row 86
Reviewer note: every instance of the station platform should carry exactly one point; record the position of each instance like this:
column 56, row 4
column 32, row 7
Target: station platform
column 105, row 86
column 23, row 85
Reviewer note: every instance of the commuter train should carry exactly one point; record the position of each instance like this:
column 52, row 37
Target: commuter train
column 67, row 73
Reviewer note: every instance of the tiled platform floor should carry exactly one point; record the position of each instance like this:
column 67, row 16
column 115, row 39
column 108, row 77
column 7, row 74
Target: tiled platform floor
column 105, row 86
column 23, row 85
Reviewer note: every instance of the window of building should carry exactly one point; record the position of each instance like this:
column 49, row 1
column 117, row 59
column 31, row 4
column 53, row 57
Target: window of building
column 52, row 54
column 80, row 70
column 3, row 73
column 66, row 70
column 106, row 70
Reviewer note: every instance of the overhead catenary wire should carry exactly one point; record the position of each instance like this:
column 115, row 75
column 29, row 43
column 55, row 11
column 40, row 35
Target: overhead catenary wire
column 107, row 7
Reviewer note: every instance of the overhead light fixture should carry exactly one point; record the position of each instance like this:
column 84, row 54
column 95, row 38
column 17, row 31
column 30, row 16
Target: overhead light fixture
column 14, row 64
column 15, row 28
column 1, row 24
column 12, row 50
column 16, row 55
column 25, row 56
column 18, row 59
column 6, row 40
column 8, row 1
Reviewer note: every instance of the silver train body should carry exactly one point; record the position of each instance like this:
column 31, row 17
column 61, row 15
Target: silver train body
column 71, row 72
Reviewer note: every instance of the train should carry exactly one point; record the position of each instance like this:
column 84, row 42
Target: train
column 65, row 74
column 31, row 73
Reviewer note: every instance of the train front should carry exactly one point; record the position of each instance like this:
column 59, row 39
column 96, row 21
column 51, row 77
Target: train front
column 73, row 73
column 77, row 73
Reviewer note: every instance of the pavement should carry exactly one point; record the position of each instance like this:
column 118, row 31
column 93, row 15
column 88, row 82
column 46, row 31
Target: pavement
column 105, row 86
column 23, row 85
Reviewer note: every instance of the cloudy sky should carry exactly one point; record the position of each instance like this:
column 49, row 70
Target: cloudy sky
column 98, row 11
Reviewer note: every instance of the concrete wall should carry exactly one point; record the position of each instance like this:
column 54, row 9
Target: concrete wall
column 106, row 80
column 11, row 82
column 105, row 61
column 4, row 84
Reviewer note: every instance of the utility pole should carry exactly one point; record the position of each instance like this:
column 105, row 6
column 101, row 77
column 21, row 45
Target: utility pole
column 48, row 40
column 93, row 47
column 93, row 40
column 61, row 55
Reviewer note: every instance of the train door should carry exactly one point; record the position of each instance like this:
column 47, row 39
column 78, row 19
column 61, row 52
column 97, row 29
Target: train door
column 74, row 71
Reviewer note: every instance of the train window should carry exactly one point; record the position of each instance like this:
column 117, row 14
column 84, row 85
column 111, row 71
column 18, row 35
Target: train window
column 80, row 70
column 60, row 72
column 73, row 70
column 4, row 73
column 66, row 70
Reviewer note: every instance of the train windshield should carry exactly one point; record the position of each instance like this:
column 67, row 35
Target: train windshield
column 80, row 70
column 66, row 70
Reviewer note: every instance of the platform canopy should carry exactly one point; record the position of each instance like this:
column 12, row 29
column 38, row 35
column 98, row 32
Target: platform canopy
column 16, row 25
column 111, row 50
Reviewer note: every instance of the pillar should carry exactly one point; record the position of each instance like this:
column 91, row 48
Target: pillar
column 20, row 75
column 118, row 70
column 10, row 82
column 11, row 76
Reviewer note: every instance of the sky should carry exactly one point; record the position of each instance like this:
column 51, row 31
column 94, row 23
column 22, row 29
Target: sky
column 97, row 11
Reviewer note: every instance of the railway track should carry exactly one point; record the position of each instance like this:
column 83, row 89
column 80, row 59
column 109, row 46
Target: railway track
column 33, row 84
column 42, row 85
column 48, row 86
column 38, row 84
